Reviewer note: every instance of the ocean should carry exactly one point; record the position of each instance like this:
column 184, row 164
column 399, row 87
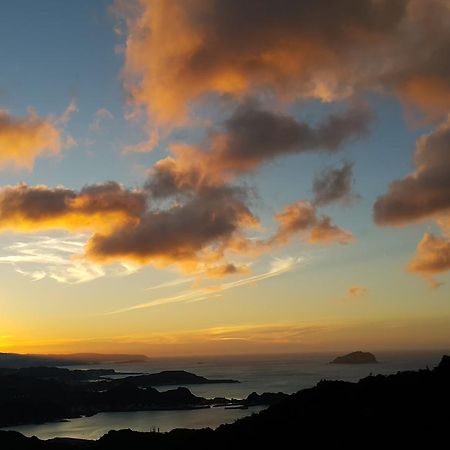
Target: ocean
column 262, row 373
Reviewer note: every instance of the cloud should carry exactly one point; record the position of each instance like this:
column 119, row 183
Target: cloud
column 196, row 229
column 189, row 212
column 301, row 218
column 357, row 291
column 432, row 257
column 58, row 258
column 199, row 229
column 188, row 171
column 333, row 185
column 23, row 139
column 253, row 135
column 99, row 118
column 325, row 232
column 64, row 118
column 171, row 283
column 423, row 194
column 222, row 270
column 293, row 48
column 95, row 207
column 277, row 268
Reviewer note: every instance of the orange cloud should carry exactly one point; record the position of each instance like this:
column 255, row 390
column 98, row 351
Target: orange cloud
column 177, row 51
column 96, row 207
column 356, row 291
column 301, row 217
column 188, row 213
column 423, row 194
column 251, row 137
column 325, row 232
column 226, row 269
column 197, row 230
column 23, row 139
column 432, row 257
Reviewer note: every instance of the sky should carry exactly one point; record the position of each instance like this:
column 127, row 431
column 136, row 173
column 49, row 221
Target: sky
column 192, row 177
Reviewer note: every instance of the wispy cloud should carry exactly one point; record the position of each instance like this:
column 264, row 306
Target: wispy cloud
column 57, row 258
column 171, row 283
column 278, row 267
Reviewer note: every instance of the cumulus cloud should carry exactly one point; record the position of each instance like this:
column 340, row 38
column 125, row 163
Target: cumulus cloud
column 95, row 207
column 432, row 257
column 293, row 48
column 126, row 228
column 199, row 228
column 253, row 135
column 333, row 185
column 301, row 218
column 196, row 229
column 23, row 139
column 423, row 194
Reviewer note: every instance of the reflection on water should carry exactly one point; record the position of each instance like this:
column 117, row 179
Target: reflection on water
column 98, row 425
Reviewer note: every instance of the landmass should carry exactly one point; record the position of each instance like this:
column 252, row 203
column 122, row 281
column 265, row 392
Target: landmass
column 405, row 410
column 41, row 394
column 356, row 358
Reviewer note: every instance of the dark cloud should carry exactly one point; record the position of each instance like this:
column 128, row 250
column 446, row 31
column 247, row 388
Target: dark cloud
column 253, row 135
column 292, row 48
column 425, row 193
column 333, row 185
column 197, row 230
column 100, row 206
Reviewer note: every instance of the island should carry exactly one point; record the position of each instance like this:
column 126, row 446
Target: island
column 356, row 358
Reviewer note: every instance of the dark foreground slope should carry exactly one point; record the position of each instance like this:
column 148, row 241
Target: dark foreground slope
column 396, row 411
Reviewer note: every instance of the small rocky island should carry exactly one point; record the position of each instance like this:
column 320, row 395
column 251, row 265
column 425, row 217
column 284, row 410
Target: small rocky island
column 356, row 358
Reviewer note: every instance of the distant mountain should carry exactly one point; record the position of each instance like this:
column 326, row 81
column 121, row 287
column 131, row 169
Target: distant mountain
column 356, row 358
column 16, row 360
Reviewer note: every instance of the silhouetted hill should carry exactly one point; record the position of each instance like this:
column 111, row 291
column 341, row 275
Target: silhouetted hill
column 396, row 411
column 174, row 377
column 355, row 358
